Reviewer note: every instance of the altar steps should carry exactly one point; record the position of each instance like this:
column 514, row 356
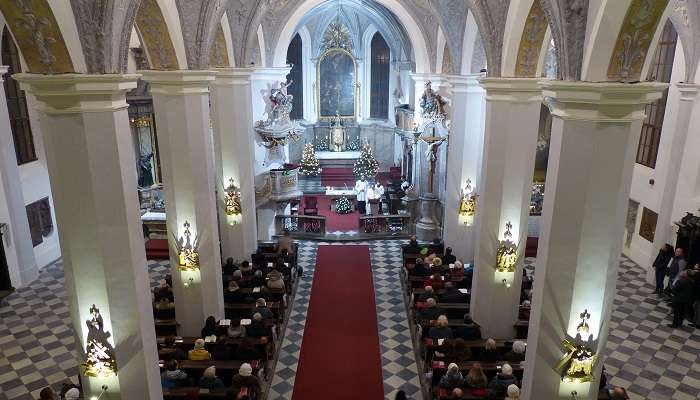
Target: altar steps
column 337, row 177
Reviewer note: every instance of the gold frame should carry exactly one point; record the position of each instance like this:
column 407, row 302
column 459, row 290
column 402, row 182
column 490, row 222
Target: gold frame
column 356, row 111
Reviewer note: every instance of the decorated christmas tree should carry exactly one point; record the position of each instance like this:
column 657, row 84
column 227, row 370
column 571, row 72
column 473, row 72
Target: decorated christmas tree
column 366, row 165
column 343, row 206
column 309, row 165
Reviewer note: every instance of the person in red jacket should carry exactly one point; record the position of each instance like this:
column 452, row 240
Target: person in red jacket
column 435, row 281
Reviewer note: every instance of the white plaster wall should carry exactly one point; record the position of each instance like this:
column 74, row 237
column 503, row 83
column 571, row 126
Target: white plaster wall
column 35, row 186
column 648, row 195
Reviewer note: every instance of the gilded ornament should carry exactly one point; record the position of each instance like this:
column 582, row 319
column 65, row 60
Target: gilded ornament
column 579, row 358
column 188, row 255
column 100, row 360
column 507, row 253
column 467, row 204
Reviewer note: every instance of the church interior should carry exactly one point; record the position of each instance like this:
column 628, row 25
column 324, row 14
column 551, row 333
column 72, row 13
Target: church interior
column 349, row 199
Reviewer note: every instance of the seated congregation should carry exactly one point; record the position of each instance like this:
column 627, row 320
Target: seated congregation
column 232, row 357
column 457, row 361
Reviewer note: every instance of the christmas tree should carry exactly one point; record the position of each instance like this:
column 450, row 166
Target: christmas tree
column 309, row 165
column 366, row 165
column 343, row 205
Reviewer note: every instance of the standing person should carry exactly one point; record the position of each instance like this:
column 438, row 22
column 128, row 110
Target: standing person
column 696, row 300
column 379, row 193
column 361, row 188
column 682, row 289
column 661, row 266
column 676, row 265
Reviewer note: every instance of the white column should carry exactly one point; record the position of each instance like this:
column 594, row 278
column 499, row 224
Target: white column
column 91, row 166
column 19, row 252
column 595, row 132
column 262, row 81
column 510, row 140
column 664, row 232
column 234, row 145
column 463, row 160
column 181, row 108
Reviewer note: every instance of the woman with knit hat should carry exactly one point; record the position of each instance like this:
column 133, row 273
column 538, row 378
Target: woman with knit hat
column 244, row 379
column 453, row 378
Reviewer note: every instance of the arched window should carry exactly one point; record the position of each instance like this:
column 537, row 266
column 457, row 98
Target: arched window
column 294, row 57
column 17, row 103
column 660, row 71
column 379, row 100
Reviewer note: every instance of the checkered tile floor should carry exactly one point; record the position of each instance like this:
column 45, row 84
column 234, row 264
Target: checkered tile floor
column 652, row 360
column 398, row 361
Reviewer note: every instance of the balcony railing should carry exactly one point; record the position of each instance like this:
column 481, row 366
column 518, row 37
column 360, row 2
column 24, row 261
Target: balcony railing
column 381, row 225
column 301, row 225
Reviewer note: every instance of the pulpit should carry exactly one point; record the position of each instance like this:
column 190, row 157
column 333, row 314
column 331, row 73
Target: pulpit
column 284, row 182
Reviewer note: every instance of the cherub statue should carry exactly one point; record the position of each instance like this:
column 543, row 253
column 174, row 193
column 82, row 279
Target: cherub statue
column 281, row 102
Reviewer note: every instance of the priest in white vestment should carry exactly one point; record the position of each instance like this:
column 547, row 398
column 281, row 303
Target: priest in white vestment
column 361, row 188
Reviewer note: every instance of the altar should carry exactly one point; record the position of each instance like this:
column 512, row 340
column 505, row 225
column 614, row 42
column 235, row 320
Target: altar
column 337, row 159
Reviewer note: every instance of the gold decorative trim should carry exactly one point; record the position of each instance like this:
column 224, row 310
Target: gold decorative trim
column 155, row 36
column 531, row 42
column 38, row 36
column 634, row 39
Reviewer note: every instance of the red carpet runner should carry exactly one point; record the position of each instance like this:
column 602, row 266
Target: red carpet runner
column 340, row 351
column 335, row 221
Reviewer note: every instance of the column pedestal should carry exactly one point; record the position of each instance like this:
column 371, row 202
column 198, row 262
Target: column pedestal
column 91, row 159
column 428, row 226
column 181, row 105
column 235, row 149
column 595, row 133
column 510, row 140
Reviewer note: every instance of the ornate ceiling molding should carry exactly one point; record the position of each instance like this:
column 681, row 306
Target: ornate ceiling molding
column 155, row 36
column 490, row 16
column 634, row 39
column 38, row 36
column 452, row 15
column 531, row 42
column 567, row 18
column 104, row 28
column 685, row 16
column 219, row 54
column 199, row 21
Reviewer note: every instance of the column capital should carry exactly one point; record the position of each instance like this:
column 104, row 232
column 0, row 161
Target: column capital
column 601, row 101
column 439, row 80
column 270, row 73
column 465, row 83
column 689, row 91
column 78, row 93
column 232, row 76
column 179, row 81
column 514, row 90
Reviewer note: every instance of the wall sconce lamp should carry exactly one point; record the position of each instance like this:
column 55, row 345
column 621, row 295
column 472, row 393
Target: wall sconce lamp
column 188, row 282
column 507, row 253
column 104, row 390
column 188, row 256
column 100, row 360
column 467, row 204
column 232, row 203
column 506, row 283
column 580, row 358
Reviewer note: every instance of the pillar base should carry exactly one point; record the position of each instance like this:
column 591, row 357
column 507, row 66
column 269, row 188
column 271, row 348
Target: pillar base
column 428, row 227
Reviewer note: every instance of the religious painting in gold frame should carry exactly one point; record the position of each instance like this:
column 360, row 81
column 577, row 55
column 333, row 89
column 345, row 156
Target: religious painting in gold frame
column 647, row 228
column 337, row 88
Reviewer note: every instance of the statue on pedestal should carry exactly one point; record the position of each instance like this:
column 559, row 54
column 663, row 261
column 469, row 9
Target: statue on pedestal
column 281, row 102
column 432, row 104
column 337, row 135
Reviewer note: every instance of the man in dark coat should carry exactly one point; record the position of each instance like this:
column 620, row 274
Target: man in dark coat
column 682, row 289
column 676, row 265
column 661, row 266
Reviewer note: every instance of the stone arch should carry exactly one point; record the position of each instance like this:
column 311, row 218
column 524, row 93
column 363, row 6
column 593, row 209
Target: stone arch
column 225, row 25
column 218, row 57
column 418, row 44
column 156, row 38
column 634, row 39
column 38, row 36
column 523, row 61
column 471, row 45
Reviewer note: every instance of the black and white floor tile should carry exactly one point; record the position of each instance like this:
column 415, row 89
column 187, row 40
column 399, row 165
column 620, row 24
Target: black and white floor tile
column 652, row 360
column 399, row 368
